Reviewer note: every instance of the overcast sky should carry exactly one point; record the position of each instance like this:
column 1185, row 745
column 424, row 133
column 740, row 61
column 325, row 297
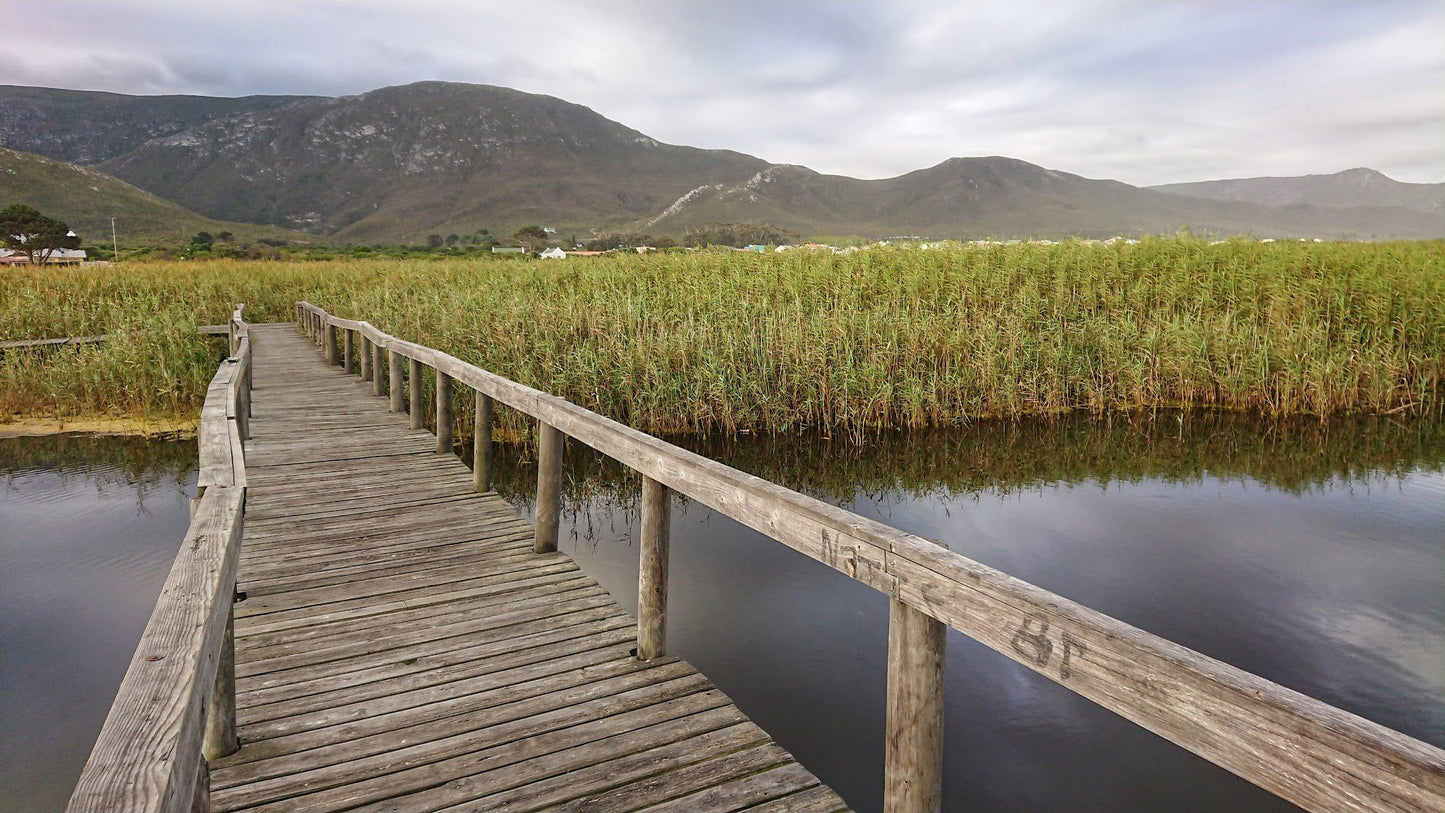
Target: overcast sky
column 1145, row 92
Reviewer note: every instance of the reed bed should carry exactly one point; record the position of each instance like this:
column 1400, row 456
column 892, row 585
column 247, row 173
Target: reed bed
column 883, row 338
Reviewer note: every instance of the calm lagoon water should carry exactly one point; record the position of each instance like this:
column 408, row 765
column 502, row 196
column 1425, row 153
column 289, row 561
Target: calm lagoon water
column 1314, row 556
column 88, row 529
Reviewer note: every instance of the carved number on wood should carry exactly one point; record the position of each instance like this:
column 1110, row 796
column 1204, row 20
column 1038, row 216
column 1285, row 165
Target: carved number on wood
column 1031, row 640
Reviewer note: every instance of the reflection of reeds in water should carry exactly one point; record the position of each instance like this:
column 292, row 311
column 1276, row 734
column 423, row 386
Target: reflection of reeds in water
column 146, row 464
column 1006, row 456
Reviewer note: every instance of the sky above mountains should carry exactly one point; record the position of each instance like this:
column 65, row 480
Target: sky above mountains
column 1144, row 92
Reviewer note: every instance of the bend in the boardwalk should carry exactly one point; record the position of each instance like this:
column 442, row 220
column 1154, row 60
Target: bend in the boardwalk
column 401, row 647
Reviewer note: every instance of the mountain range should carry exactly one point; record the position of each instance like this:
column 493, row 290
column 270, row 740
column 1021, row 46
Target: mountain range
column 396, row 164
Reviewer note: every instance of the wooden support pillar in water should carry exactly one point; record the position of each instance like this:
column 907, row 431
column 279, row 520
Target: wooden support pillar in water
column 482, row 443
column 330, row 346
column 414, row 384
column 221, row 739
column 347, row 353
column 393, row 380
column 378, row 381
column 549, row 487
column 913, row 752
column 652, row 574
column 444, row 413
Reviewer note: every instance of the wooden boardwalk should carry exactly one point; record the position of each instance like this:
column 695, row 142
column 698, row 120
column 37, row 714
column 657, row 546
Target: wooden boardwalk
column 401, row 647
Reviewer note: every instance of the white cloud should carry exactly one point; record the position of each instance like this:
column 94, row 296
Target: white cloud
column 1144, row 92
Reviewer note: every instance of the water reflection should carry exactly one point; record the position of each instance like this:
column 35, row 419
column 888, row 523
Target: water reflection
column 1311, row 554
column 88, row 529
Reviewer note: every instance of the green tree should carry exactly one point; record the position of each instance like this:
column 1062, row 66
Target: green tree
column 532, row 238
column 33, row 234
column 202, row 240
column 434, row 241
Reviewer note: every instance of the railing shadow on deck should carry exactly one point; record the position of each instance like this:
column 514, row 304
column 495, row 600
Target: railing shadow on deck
column 1308, row 752
column 176, row 705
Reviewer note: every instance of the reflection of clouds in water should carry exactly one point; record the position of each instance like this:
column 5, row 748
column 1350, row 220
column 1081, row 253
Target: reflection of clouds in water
column 1413, row 645
column 84, row 553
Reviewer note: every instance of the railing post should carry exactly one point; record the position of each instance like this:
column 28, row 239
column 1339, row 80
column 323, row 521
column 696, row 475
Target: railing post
column 549, row 487
column 482, row 443
column 378, row 382
column 913, row 753
column 652, row 574
column 331, row 353
column 231, row 334
column 444, row 413
column 414, row 384
column 365, row 357
column 346, row 352
column 393, row 379
column 221, row 739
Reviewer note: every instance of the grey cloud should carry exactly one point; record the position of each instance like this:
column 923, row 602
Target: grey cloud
column 1145, row 92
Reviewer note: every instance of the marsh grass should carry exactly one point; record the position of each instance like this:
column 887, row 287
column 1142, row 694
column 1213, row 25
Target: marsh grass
column 886, row 338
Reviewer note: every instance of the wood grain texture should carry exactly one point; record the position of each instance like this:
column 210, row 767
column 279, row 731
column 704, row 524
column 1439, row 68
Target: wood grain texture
column 549, row 487
column 403, row 647
column 148, row 754
column 445, row 408
column 913, row 727
column 1308, row 752
column 652, row 570
column 393, row 380
column 482, row 443
column 417, row 403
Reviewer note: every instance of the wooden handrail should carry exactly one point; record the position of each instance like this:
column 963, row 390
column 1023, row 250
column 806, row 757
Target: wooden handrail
column 176, row 704
column 1306, row 751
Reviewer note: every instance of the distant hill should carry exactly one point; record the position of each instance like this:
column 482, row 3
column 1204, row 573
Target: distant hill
column 1353, row 188
column 86, row 199
column 397, row 164
column 1005, row 197
column 393, row 164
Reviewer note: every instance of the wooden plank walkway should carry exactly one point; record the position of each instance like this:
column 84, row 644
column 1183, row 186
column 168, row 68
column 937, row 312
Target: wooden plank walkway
column 401, row 647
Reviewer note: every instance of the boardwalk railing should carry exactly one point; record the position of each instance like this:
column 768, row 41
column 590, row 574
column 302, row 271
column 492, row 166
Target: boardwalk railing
column 176, row 706
column 1313, row 754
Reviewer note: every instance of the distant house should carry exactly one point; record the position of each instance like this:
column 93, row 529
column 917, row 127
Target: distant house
column 61, row 256
column 554, row 253
column 508, row 250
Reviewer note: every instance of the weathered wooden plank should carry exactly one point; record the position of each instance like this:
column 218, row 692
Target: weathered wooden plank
column 148, row 755
column 501, row 737
column 1303, row 750
column 387, row 610
column 27, row 344
column 817, row 799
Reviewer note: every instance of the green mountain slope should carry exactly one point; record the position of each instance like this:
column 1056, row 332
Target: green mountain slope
column 86, row 199
column 397, row 164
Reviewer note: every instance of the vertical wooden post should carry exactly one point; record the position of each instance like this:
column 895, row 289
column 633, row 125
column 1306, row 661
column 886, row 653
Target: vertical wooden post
column 652, row 575
column 913, row 754
column 393, row 379
column 331, row 351
column 378, row 381
column 221, row 739
column 444, row 413
column 231, row 333
column 482, row 443
column 346, row 352
column 549, row 487
column 365, row 357
column 414, row 376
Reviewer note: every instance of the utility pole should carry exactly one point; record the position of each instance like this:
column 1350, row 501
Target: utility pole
column 114, row 246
